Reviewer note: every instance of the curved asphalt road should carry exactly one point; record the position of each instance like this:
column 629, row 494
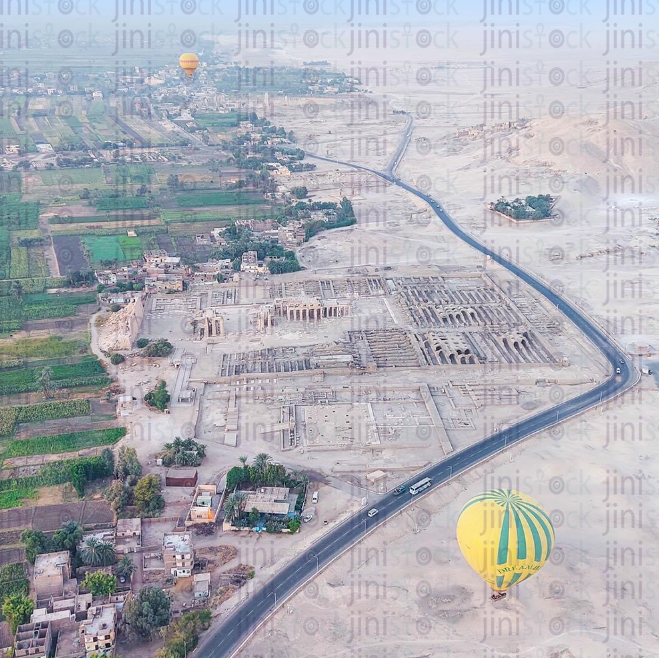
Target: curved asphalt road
column 242, row 622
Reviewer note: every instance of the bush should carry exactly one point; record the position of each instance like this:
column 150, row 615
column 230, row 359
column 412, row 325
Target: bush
column 116, row 359
column 294, row 525
column 159, row 397
column 160, row 347
column 115, row 307
column 142, row 342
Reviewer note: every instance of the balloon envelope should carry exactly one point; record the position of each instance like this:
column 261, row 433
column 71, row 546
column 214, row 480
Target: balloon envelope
column 505, row 536
column 189, row 63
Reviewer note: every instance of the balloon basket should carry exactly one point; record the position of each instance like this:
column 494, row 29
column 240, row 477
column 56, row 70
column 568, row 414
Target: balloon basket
column 497, row 596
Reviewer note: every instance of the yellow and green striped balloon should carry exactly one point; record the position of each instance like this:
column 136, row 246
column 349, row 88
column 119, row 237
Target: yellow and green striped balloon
column 505, row 536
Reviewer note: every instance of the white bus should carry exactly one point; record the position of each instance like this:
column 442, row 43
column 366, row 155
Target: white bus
column 420, row 486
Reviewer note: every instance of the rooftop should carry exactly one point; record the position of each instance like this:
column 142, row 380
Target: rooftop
column 100, row 620
column 129, row 525
column 178, row 542
column 51, row 563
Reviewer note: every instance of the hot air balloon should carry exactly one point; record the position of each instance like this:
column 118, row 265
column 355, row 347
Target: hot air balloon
column 189, row 63
column 505, row 536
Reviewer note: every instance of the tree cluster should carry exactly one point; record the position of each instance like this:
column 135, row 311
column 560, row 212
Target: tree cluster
column 183, row 452
column 532, row 207
column 158, row 397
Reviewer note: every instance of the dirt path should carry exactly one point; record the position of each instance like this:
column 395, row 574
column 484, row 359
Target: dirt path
column 49, row 254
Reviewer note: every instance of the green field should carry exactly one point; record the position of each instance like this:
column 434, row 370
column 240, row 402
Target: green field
column 197, row 199
column 89, row 176
column 132, row 174
column 32, row 413
column 108, row 204
column 13, row 580
column 58, row 443
column 19, row 268
column 131, row 247
column 121, row 248
column 38, row 306
column 88, row 372
column 5, row 250
column 51, row 347
column 15, row 498
column 18, row 215
column 217, row 121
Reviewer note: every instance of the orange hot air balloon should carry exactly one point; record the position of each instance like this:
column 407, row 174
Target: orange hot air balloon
column 189, row 63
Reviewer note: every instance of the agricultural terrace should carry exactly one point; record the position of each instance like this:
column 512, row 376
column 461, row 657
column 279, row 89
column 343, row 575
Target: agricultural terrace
column 87, row 371
column 10, row 417
column 17, row 308
column 61, row 443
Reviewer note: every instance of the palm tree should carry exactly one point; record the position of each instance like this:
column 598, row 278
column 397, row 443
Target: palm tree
column 43, row 380
column 97, row 554
column 261, row 461
column 232, row 506
column 125, row 568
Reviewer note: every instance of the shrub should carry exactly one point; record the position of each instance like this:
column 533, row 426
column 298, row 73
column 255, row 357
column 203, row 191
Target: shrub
column 115, row 307
column 142, row 342
column 159, row 397
column 160, row 347
column 116, row 359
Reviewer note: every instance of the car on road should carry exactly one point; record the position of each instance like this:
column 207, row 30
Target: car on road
column 399, row 490
column 372, row 512
column 617, row 371
column 314, row 498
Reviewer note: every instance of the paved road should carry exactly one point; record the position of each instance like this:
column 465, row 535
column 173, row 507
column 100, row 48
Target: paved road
column 224, row 641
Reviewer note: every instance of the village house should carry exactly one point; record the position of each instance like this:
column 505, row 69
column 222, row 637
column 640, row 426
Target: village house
column 178, row 554
column 205, row 505
column 34, row 640
column 98, row 631
column 52, row 573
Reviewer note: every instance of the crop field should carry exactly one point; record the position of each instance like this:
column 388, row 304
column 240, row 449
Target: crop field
column 51, row 347
column 69, row 252
column 121, row 248
column 13, row 580
column 61, row 443
column 14, row 312
column 88, row 372
column 36, row 261
column 31, row 286
column 32, row 413
column 18, row 215
column 218, row 121
column 64, row 178
column 198, row 199
column 131, row 247
column 16, row 497
column 4, row 252
column 106, row 227
column 129, row 175
column 19, row 268
column 110, row 204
